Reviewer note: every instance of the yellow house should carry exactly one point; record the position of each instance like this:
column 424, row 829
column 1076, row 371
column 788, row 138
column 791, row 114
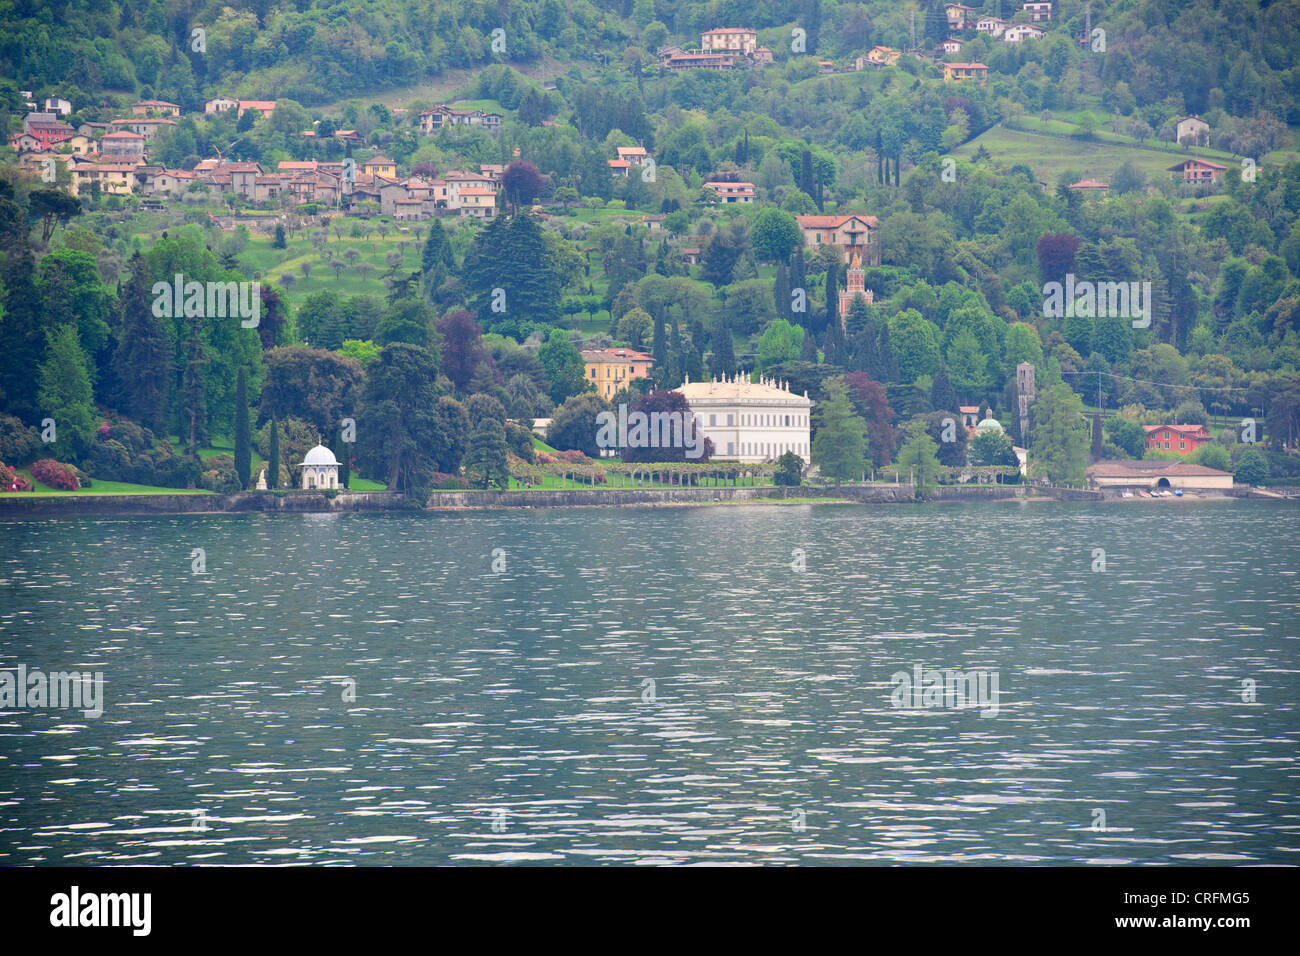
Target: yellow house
column 380, row 166
column 611, row 369
column 115, row 178
column 965, row 71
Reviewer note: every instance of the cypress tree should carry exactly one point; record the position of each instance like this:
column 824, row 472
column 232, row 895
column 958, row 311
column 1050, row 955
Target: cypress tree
column 243, row 446
column 833, row 347
column 832, row 297
column 806, row 184
column 781, row 291
column 194, row 392
column 274, row 468
column 660, row 346
column 1096, row 436
column 722, row 361
column 888, row 370
column 798, row 280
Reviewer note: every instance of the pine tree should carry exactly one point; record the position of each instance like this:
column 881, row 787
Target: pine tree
column 273, row 469
column 65, row 395
column 437, row 250
column 143, row 358
column 486, row 458
column 194, row 388
column 243, row 446
column 808, row 350
column 839, row 448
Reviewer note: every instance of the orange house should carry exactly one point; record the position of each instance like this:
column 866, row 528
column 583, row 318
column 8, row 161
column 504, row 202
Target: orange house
column 612, row 369
column 1183, row 439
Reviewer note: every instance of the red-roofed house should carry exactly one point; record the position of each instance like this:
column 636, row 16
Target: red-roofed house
column 265, row 107
column 852, row 233
column 1198, row 171
column 618, row 167
column 1183, row 439
column 732, row 192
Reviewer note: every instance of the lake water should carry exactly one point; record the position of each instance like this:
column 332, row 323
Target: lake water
column 652, row 686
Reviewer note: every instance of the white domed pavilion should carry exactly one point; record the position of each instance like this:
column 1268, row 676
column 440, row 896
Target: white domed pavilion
column 989, row 424
column 320, row 469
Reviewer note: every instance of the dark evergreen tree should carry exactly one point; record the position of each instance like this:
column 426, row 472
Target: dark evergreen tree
column 781, row 291
column 193, row 428
column 143, row 358
column 1096, row 436
column 887, row 368
column 832, row 314
column 798, row 281
column 22, row 342
column 273, row 468
column 660, row 350
column 942, row 395
column 808, row 350
column 833, row 347
column 722, row 360
column 243, row 445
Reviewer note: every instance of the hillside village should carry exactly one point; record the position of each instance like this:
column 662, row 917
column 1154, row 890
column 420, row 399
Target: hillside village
column 868, row 306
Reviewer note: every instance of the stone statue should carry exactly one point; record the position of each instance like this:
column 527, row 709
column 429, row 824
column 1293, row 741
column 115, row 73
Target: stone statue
column 261, row 481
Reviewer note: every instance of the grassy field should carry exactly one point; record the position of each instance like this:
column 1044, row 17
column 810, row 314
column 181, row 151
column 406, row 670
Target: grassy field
column 104, row 488
column 1049, row 157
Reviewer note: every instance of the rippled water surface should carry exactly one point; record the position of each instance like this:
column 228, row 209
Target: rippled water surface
column 658, row 686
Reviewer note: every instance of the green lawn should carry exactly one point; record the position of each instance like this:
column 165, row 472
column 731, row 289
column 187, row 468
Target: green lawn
column 105, row 488
column 1049, row 157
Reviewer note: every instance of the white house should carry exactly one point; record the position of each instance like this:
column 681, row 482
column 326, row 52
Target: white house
column 991, row 25
column 320, row 469
column 751, row 422
column 1023, row 31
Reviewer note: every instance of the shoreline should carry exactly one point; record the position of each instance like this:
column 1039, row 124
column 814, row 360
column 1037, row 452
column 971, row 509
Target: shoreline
column 315, row 502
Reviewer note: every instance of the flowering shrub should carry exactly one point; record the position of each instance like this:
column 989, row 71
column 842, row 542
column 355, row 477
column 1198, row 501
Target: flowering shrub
column 10, row 480
column 55, row 474
column 447, row 482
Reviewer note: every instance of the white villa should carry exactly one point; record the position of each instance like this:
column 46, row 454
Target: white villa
column 320, row 469
column 751, row 421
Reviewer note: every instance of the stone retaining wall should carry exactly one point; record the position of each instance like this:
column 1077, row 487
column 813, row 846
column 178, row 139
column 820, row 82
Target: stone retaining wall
column 19, row 505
